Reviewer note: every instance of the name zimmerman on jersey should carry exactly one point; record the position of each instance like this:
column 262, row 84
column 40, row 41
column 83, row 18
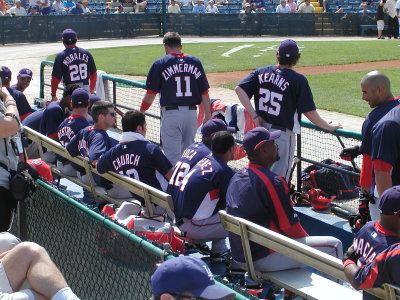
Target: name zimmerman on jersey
column 273, row 78
column 181, row 68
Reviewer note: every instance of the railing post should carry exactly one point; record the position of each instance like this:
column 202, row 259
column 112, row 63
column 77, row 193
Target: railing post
column 22, row 223
column 299, row 163
column 114, row 93
column 164, row 17
column 41, row 93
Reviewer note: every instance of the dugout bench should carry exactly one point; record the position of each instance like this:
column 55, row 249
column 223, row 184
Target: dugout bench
column 148, row 193
column 300, row 281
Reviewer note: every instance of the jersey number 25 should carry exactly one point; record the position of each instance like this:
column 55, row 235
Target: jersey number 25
column 78, row 72
column 270, row 102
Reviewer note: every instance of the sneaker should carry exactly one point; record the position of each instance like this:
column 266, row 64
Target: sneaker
column 220, row 257
column 202, row 248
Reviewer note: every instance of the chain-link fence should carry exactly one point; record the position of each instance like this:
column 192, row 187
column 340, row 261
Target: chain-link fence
column 313, row 145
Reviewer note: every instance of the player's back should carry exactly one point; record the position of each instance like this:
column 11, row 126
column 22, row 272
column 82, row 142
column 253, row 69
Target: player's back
column 33, row 120
column 70, row 127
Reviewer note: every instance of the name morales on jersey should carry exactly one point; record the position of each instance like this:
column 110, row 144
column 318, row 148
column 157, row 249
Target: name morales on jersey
column 75, row 56
column 126, row 159
column 189, row 154
column 273, row 78
column 181, row 68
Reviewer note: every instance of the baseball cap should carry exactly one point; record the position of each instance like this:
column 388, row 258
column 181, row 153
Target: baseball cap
column 8, row 241
column 80, row 97
column 389, row 203
column 214, row 125
column 288, row 48
column 69, row 35
column 5, row 73
column 35, row 7
column 257, row 137
column 120, row 6
column 186, row 274
column 25, row 73
column 93, row 98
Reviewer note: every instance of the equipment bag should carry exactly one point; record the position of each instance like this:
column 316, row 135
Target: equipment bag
column 330, row 182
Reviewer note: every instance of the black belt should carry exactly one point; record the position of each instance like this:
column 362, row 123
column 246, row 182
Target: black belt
column 175, row 107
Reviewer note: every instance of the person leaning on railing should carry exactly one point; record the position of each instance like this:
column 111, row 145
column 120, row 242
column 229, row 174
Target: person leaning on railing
column 9, row 126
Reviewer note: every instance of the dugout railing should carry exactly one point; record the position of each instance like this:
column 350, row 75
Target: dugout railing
column 313, row 145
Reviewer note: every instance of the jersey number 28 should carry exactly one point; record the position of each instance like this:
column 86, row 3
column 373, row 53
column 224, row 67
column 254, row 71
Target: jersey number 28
column 270, row 102
column 78, row 72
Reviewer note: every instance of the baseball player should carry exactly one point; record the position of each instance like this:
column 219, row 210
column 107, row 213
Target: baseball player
column 375, row 87
column 182, row 83
column 257, row 194
column 385, row 155
column 280, row 97
column 194, row 153
column 71, row 126
column 93, row 141
column 73, row 65
column 186, row 277
column 202, row 194
column 24, row 109
column 24, row 79
column 135, row 156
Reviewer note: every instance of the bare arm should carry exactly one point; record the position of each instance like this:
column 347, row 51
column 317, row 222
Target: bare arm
column 383, row 181
column 169, row 174
column 350, row 271
column 245, row 100
column 315, row 118
column 147, row 101
column 205, row 101
column 9, row 125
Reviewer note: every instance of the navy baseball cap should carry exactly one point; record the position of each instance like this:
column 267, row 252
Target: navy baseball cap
column 80, row 96
column 69, row 35
column 288, row 48
column 35, row 7
column 213, row 126
column 120, row 6
column 25, row 73
column 389, row 204
column 93, row 98
column 257, row 137
column 5, row 73
column 187, row 274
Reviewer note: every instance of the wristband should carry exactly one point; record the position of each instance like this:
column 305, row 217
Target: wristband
column 348, row 262
column 145, row 106
column 12, row 116
column 255, row 117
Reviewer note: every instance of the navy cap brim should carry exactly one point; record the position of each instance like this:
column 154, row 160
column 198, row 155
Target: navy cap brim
column 212, row 292
column 230, row 129
column 274, row 135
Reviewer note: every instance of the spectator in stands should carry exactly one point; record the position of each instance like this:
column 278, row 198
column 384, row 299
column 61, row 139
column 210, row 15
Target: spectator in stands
column 107, row 10
column 9, row 126
column 34, row 11
column 186, row 3
column 58, row 7
column 306, row 7
column 292, row 5
column 3, row 6
column 211, row 8
column 246, row 10
column 69, row 4
column 339, row 10
column 393, row 22
column 77, row 10
column 30, row 262
column 364, row 8
column 202, row 195
column 17, row 10
column 258, row 5
column 199, row 8
column 146, row 160
column 24, row 79
column 45, row 7
column 260, row 196
column 24, row 109
column 173, row 8
column 186, row 277
column 283, row 8
column 376, row 236
column 85, row 7
column 140, row 5
column 119, row 10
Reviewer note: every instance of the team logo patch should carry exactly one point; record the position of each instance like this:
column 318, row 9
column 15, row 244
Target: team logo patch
column 374, row 234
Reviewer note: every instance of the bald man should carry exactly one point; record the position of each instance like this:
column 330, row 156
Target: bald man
column 375, row 87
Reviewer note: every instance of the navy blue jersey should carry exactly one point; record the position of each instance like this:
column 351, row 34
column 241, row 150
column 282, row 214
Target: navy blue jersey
column 33, row 120
column 280, row 95
column 53, row 115
column 139, row 159
column 180, row 79
column 386, row 142
column 260, row 196
column 24, row 109
column 373, row 117
column 189, row 158
column 74, row 65
column 203, row 190
column 91, row 143
column 384, row 269
column 371, row 240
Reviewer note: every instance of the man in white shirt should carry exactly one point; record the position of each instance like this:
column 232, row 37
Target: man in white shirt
column 393, row 24
column 173, row 8
column 283, row 8
column 211, row 8
column 85, row 7
column 58, row 6
column 17, row 10
column 306, row 7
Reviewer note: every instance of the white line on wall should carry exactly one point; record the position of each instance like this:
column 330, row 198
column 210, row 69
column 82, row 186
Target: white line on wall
column 236, row 49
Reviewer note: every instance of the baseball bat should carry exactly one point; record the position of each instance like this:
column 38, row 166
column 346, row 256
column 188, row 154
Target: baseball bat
column 296, row 160
column 340, row 212
column 353, row 163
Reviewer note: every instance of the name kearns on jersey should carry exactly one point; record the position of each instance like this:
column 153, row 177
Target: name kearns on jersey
column 75, row 56
column 273, row 78
column 181, row 68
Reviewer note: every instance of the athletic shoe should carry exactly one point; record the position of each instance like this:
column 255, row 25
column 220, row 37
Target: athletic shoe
column 202, row 248
column 220, row 257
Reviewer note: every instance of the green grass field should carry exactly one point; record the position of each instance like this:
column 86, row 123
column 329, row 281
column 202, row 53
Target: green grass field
column 335, row 92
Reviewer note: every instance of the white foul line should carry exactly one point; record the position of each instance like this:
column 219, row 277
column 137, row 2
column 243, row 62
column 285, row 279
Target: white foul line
column 236, row 49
